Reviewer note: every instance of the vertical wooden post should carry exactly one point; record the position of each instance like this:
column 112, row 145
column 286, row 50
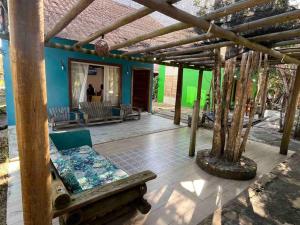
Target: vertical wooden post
column 200, row 78
column 178, row 95
column 26, row 19
column 195, row 116
column 290, row 115
column 194, row 128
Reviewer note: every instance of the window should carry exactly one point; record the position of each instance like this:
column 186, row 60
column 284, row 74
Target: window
column 104, row 80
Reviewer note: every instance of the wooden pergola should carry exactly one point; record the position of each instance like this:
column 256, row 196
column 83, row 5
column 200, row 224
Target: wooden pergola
column 27, row 41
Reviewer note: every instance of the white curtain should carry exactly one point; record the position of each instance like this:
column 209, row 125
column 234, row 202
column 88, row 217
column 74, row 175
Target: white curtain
column 79, row 73
column 111, row 84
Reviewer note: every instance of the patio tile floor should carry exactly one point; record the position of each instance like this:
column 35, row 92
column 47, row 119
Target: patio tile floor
column 182, row 192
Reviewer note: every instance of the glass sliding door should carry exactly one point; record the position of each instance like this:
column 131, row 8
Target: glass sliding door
column 83, row 74
column 111, row 84
column 79, row 74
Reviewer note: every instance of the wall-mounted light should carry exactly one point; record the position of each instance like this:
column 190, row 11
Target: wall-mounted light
column 254, row 80
column 62, row 65
column 235, row 76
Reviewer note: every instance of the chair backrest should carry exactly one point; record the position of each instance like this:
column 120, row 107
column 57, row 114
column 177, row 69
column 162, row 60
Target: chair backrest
column 100, row 110
column 59, row 113
column 126, row 108
column 71, row 139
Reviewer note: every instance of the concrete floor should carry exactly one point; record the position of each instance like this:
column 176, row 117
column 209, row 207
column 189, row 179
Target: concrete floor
column 182, row 192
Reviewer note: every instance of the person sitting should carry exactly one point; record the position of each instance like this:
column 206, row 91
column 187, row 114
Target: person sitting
column 90, row 92
column 100, row 92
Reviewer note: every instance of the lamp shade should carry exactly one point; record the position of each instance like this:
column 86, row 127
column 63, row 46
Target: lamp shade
column 101, row 47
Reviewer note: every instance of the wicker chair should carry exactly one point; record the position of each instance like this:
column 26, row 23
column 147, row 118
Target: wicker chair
column 98, row 113
column 128, row 112
column 62, row 117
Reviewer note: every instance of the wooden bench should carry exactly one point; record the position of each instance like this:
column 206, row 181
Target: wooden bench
column 96, row 113
column 129, row 113
column 101, row 203
column 62, row 117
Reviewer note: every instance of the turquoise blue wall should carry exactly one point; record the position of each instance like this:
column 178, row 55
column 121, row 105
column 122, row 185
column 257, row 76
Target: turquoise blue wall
column 58, row 80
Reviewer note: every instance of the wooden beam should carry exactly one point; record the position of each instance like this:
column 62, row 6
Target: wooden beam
column 119, row 23
column 288, row 16
column 116, row 56
column 71, row 15
column 115, row 25
column 288, row 42
column 177, row 114
column 289, row 50
column 202, row 54
column 290, row 115
column 193, row 59
column 219, row 13
column 195, row 49
column 185, row 17
column 203, row 62
column 268, row 21
column 259, row 38
column 30, row 99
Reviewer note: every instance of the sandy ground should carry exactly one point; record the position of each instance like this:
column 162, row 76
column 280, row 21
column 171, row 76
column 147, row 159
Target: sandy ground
column 3, row 175
column 3, row 159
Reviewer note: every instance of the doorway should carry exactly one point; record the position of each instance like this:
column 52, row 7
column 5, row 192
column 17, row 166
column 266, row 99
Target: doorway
column 141, row 89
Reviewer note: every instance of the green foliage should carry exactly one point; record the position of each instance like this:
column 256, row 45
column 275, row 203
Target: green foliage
column 155, row 87
column 275, row 82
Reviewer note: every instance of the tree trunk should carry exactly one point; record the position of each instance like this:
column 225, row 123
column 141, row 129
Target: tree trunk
column 226, row 94
column 255, row 67
column 290, row 115
column 217, row 144
column 235, row 124
column 244, row 98
column 287, row 84
column 265, row 76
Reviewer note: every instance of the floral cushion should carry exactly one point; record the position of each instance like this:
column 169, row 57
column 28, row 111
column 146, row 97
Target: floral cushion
column 83, row 168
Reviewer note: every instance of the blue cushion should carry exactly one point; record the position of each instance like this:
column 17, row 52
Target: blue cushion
column 82, row 168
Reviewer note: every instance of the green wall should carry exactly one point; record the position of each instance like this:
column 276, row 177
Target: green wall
column 161, row 84
column 189, row 86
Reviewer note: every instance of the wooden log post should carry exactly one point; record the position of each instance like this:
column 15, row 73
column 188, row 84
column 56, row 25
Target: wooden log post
column 290, row 115
column 195, row 116
column 200, row 78
column 177, row 114
column 29, row 85
column 194, row 129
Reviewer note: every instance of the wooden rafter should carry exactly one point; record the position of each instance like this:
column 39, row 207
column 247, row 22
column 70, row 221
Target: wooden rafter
column 281, row 18
column 193, row 59
column 71, row 15
column 288, row 42
column 120, row 22
column 202, row 54
column 259, row 38
column 116, row 56
column 219, row 13
column 185, row 17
